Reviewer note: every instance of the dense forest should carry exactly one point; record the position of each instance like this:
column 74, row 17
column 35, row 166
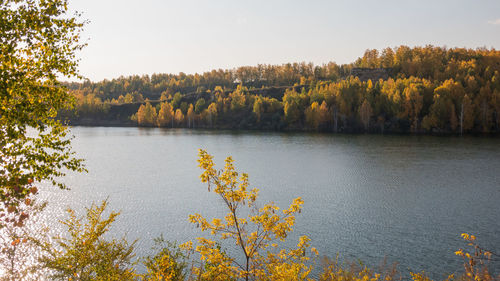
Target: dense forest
column 402, row 90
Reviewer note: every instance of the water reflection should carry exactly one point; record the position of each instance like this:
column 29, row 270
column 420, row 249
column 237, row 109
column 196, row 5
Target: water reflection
column 403, row 197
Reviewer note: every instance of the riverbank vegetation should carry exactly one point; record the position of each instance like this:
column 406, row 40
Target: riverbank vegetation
column 39, row 42
column 405, row 90
column 255, row 234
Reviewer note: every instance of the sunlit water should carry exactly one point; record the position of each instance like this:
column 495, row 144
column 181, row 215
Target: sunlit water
column 367, row 197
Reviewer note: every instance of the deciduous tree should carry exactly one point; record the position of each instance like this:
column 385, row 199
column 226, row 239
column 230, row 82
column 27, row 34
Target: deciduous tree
column 365, row 113
column 179, row 117
column 190, row 116
column 84, row 253
column 212, row 113
column 146, row 115
column 257, row 236
column 39, row 42
column 258, row 108
column 166, row 115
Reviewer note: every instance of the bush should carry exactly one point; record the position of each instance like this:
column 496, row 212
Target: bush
column 84, row 254
column 169, row 263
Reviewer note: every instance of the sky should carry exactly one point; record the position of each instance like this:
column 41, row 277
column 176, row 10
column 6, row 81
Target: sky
column 128, row 37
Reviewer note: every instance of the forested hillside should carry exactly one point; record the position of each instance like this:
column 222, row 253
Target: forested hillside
column 425, row 90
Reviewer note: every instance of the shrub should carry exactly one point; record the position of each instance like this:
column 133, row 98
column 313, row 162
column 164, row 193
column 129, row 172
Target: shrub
column 85, row 254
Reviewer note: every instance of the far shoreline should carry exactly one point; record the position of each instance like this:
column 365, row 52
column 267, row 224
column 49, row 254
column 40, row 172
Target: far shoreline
column 292, row 131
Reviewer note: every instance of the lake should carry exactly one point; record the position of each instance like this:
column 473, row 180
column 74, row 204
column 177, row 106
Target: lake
column 367, row 197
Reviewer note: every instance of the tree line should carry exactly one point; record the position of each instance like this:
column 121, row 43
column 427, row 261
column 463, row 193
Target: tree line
column 153, row 86
column 402, row 105
column 430, row 89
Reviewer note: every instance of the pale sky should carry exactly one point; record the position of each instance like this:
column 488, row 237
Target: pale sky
column 128, row 37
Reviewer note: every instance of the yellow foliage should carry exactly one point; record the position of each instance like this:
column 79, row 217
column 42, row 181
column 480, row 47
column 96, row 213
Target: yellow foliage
column 334, row 271
column 419, row 276
column 256, row 235
column 476, row 261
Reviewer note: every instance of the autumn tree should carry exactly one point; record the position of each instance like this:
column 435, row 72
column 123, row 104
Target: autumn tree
column 365, row 113
column 257, row 236
column 370, row 59
column 212, row 113
column 128, row 98
column 442, row 112
column 258, row 108
column 495, row 101
column 293, row 106
column 200, row 106
column 324, row 114
column 439, row 114
column 133, row 97
column 483, row 105
column 190, row 116
column 39, row 42
column 453, row 118
column 272, row 105
column 176, row 101
column 387, row 57
column 146, row 115
column 312, row 115
column 476, row 260
column 85, row 253
column 166, row 115
column 169, row 263
column 466, row 114
column 184, row 107
column 413, row 103
column 179, row 117
column 164, row 96
column 238, row 98
column 121, row 99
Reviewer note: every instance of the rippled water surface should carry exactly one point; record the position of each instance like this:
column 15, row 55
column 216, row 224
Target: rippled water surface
column 404, row 198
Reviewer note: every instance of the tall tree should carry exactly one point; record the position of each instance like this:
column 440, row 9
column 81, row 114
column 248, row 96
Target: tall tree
column 365, row 112
column 212, row 113
column 324, row 114
column 190, row 116
column 176, row 101
column 312, row 115
column 292, row 107
column 258, row 108
column 483, row 106
column 166, row 115
column 200, row 106
column 387, row 57
column 414, row 102
column 179, row 117
column 495, row 101
column 453, row 118
column 238, row 98
column 466, row 114
column 39, row 42
column 146, row 115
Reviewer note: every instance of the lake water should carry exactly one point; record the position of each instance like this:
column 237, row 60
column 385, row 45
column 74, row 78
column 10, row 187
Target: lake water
column 367, row 197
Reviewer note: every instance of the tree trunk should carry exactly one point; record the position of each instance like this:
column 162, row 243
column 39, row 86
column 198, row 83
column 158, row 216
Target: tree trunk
column 462, row 119
column 335, row 119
